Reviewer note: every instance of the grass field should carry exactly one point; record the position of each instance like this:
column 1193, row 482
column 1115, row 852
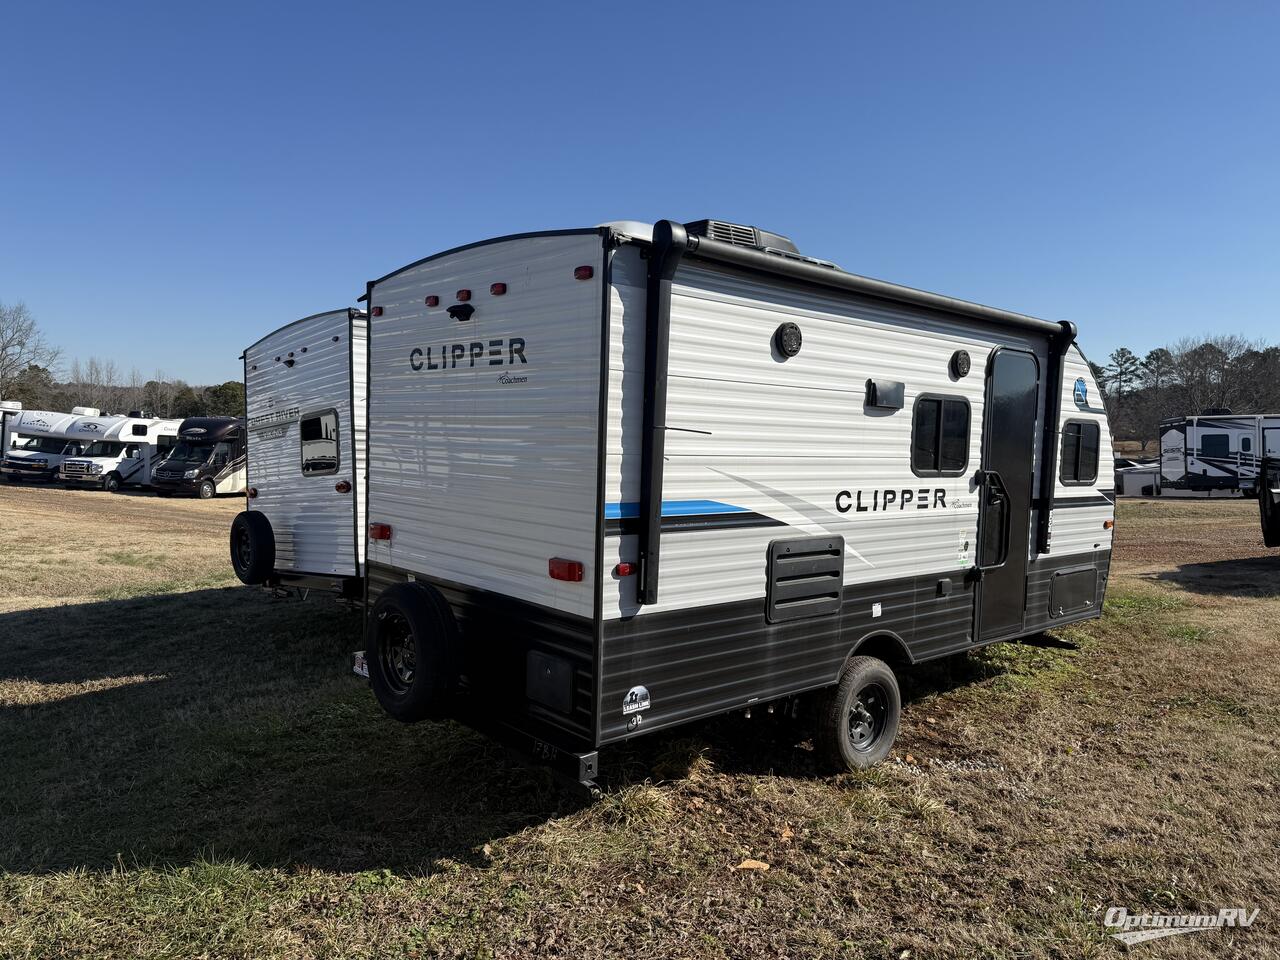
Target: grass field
column 188, row 768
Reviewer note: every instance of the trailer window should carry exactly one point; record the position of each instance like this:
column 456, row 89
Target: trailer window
column 139, row 429
column 1215, row 445
column 940, row 436
column 319, row 434
column 1080, row 451
column 1246, row 444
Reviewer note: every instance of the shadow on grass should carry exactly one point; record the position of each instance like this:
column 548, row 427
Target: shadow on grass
column 234, row 728
column 1250, row 577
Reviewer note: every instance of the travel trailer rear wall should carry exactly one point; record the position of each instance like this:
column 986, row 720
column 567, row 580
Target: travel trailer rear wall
column 305, row 395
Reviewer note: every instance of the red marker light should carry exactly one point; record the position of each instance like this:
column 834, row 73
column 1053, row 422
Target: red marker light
column 343, row 486
column 376, row 312
column 252, row 492
column 464, row 295
column 1108, row 524
column 380, row 531
column 433, row 301
column 625, row 569
column 569, row 570
column 583, row 273
column 497, row 289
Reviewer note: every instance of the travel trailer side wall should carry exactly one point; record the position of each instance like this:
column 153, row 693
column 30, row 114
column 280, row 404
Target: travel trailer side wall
column 624, row 478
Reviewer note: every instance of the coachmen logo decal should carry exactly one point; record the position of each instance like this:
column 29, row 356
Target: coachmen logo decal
column 1081, row 392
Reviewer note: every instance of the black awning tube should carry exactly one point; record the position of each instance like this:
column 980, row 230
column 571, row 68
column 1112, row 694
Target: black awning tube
column 811, row 273
column 669, row 244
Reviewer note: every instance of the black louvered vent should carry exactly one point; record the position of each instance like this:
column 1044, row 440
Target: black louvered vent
column 806, row 578
column 742, row 235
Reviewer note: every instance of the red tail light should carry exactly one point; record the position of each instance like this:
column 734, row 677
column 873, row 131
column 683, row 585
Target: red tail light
column 464, row 295
column 583, row 273
column 343, row 486
column 560, row 569
column 375, row 312
column 380, row 531
column 625, row 569
column 433, row 301
column 497, row 289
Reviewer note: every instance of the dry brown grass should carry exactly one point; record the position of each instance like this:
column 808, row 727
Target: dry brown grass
column 209, row 780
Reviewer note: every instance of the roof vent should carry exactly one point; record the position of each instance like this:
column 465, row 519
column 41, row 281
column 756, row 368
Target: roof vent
column 86, row 411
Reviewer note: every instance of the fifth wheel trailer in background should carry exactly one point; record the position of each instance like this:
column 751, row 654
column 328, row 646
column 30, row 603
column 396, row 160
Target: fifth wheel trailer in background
column 1217, row 452
column 305, row 396
column 626, row 477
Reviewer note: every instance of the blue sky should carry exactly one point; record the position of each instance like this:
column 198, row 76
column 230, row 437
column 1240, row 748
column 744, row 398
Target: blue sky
column 179, row 179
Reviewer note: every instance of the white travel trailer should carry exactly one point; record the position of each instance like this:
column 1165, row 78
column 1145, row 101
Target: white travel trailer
column 305, row 401
column 119, row 451
column 45, row 443
column 627, row 477
column 1217, row 452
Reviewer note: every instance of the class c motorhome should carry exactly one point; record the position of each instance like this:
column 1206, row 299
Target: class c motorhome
column 118, row 452
column 207, row 460
column 305, row 396
column 10, row 410
column 1217, row 452
column 627, row 477
column 45, row 443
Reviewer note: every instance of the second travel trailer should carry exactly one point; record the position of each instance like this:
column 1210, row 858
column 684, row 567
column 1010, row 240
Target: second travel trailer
column 45, row 443
column 1217, row 452
column 119, row 451
column 303, row 524
column 627, row 477
column 208, row 459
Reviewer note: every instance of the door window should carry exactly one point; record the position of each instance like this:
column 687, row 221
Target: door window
column 319, row 433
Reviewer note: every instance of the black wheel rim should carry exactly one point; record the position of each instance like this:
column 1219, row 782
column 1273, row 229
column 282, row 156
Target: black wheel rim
column 244, row 549
column 397, row 652
column 868, row 716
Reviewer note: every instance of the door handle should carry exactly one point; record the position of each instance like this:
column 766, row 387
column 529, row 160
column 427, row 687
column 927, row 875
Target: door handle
column 997, row 495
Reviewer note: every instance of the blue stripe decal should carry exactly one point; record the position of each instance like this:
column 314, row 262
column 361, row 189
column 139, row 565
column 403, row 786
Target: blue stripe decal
column 673, row 508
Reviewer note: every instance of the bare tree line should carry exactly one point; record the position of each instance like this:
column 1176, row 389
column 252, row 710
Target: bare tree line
column 1195, row 375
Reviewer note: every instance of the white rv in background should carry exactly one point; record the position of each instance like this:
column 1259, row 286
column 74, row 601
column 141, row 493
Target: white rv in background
column 305, row 405
column 1217, row 452
column 119, row 452
column 10, row 410
column 45, row 443
column 626, row 477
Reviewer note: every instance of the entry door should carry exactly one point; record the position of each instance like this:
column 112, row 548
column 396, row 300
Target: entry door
column 1004, row 517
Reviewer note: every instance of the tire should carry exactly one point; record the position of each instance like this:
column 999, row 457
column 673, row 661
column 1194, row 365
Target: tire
column 207, row 490
column 412, row 649
column 253, row 547
column 111, row 483
column 858, row 717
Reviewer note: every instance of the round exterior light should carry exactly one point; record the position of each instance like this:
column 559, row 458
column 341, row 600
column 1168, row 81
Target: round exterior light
column 787, row 339
column 960, row 364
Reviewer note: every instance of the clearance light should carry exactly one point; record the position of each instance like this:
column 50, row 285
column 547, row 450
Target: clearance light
column 343, row 486
column 433, row 301
column 1108, row 524
column 497, row 289
column 252, row 492
column 464, row 295
column 560, row 569
column 583, row 273
column 625, row 569
column 380, row 531
column 376, row 312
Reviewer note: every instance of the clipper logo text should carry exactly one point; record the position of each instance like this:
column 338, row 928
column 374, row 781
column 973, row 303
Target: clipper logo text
column 876, row 501
column 477, row 353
